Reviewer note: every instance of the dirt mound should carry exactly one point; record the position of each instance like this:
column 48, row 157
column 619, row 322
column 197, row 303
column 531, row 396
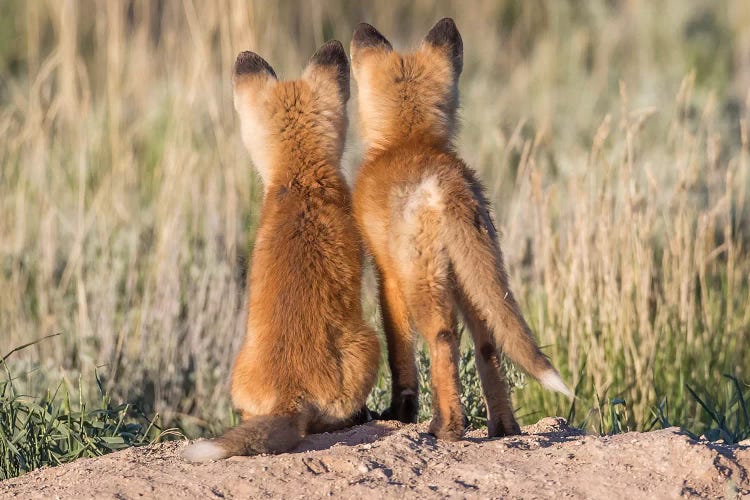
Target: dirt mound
column 388, row 460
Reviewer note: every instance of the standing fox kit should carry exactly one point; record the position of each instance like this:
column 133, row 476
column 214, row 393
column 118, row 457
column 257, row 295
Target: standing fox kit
column 308, row 361
column 426, row 221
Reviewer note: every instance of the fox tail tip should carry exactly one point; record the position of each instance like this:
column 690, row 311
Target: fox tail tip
column 552, row 380
column 204, row 451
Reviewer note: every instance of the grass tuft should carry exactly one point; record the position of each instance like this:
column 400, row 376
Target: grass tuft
column 728, row 422
column 55, row 429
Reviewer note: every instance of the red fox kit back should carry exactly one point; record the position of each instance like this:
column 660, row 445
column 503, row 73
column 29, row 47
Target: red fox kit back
column 308, row 361
column 427, row 222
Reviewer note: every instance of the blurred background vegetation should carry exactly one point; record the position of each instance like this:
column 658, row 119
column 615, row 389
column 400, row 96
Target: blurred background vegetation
column 612, row 137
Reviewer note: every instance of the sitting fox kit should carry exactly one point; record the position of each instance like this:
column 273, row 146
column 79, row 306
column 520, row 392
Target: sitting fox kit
column 308, row 361
column 427, row 223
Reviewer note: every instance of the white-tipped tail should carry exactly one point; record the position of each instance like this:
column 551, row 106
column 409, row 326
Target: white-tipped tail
column 204, row 451
column 552, row 381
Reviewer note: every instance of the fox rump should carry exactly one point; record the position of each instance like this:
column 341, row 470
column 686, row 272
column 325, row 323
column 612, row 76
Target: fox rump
column 428, row 225
column 308, row 360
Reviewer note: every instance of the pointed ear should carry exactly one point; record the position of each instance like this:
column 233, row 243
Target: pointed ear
column 251, row 69
column 445, row 36
column 367, row 40
column 331, row 64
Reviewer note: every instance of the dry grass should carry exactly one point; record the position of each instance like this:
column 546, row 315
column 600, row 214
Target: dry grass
column 612, row 136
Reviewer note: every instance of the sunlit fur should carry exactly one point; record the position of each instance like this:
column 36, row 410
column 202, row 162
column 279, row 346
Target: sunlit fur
column 405, row 96
column 308, row 361
column 291, row 125
column 427, row 223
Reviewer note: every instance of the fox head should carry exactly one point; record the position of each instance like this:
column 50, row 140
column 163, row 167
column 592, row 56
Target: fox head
column 405, row 94
column 294, row 122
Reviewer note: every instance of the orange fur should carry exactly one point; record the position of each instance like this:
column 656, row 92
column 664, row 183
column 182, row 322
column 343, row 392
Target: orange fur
column 427, row 223
column 308, row 361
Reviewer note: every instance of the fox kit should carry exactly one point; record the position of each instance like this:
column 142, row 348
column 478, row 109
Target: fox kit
column 427, row 223
column 308, row 361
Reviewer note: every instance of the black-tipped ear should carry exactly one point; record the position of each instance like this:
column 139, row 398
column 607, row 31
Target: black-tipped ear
column 445, row 35
column 331, row 56
column 365, row 35
column 250, row 63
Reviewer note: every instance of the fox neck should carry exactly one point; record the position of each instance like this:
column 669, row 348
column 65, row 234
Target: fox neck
column 311, row 159
column 302, row 174
column 421, row 137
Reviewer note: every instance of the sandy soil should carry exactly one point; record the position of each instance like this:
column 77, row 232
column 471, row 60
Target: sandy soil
column 388, row 460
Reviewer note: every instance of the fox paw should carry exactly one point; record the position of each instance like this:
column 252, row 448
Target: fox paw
column 452, row 430
column 502, row 429
column 363, row 416
column 404, row 408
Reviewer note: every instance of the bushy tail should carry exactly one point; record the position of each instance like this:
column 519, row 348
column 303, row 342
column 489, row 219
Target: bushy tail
column 256, row 435
column 471, row 241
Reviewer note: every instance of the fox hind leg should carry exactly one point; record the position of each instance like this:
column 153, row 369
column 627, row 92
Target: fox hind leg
column 329, row 424
column 500, row 419
column 404, row 388
column 425, row 273
column 358, row 351
column 433, row 313
column 435, row 320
